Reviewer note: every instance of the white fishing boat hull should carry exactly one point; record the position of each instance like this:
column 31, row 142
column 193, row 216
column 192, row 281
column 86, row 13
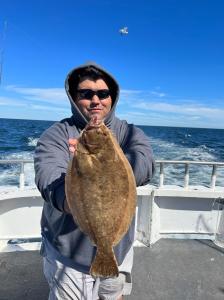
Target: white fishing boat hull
column 167, row 212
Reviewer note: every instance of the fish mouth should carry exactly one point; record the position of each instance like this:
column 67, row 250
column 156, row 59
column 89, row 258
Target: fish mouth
column 95, row 122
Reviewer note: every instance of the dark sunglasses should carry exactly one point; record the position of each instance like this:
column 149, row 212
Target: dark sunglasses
column 88, row 94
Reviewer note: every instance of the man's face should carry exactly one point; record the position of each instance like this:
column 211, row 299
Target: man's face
column 91, row 104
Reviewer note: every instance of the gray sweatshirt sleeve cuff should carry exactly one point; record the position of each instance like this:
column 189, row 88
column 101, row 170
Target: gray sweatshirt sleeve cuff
column 59, row 197
column 55, row 194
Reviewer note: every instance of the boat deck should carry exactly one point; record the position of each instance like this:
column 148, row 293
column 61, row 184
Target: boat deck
column 170, row 270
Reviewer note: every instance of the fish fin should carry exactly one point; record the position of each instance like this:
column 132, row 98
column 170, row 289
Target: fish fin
column 104, row 264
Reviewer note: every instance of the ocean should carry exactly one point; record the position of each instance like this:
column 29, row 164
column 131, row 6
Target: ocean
column 18, row 139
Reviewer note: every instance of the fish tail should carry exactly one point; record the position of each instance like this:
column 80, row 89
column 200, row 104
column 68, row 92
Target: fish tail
column 104, row 264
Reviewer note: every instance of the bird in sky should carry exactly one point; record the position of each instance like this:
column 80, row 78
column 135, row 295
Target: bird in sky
column 123, row 30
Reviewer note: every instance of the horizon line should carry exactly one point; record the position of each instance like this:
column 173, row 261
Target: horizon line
column 172, row 126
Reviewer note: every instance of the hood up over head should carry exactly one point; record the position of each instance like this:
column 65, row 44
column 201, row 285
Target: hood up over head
column 71, row 83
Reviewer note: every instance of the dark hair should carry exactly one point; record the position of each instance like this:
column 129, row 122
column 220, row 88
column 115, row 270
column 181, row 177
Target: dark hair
column 86, row 73
column 92, row 73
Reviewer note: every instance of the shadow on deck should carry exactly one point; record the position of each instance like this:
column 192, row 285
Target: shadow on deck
column 170, row 270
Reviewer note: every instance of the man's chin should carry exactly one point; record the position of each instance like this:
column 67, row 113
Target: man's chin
column 96, row 115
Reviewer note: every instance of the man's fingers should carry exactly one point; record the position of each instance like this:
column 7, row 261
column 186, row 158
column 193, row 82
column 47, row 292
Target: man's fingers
column 73, row 142
column 72, row 149
column 72, row 145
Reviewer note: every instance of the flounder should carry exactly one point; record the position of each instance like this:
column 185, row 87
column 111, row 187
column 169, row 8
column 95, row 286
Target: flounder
column 101, row 193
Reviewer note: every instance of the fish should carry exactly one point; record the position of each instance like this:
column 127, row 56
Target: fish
column 101, row 193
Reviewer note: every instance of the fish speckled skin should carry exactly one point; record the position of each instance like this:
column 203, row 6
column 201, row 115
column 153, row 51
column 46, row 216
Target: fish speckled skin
column 101, row 194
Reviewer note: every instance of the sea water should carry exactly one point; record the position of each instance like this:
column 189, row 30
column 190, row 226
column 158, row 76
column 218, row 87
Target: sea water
column 18, row 139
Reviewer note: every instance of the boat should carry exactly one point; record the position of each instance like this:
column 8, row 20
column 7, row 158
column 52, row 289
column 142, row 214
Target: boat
column 179, row 246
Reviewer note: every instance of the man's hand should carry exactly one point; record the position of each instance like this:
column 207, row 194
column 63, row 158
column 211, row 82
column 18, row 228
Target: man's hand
column 72, row 148
column 72, row 145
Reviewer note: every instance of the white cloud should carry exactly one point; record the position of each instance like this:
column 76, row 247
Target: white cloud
column 197, row 109
column 128, row 96
column 160, row 95
column 148, row 109
column 49, row 108
column 130, row 92
column 7, row 101
column 41, row 94
column 138, row 106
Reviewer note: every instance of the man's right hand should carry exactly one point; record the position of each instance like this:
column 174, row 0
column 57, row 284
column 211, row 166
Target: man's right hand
column 72, row 145
column 72, row 148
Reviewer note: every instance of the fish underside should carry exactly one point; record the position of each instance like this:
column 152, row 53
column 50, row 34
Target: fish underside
column 101, row 194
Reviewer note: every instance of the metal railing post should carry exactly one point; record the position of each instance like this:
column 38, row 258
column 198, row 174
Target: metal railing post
column 21, row 176
column 162, row 164
column 186, row 176
column 161, row 175
column 213, row 178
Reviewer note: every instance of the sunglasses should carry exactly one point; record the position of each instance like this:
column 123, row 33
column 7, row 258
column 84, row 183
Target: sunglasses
column 88, row 94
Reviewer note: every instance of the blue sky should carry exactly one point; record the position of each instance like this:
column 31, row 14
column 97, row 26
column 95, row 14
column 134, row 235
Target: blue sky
column 170, row 66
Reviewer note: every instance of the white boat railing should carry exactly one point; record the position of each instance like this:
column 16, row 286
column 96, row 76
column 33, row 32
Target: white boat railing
column 186, row 212
column 162, row 164
column 187, row 163
column 20, row 162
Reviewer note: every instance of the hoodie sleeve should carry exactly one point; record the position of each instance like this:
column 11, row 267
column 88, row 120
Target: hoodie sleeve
column 139, row 153
column 50, row 162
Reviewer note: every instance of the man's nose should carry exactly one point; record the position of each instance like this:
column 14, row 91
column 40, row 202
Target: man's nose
column 95, row 99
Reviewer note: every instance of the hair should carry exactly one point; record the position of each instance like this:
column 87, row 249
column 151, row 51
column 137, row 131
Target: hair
column 92, row 73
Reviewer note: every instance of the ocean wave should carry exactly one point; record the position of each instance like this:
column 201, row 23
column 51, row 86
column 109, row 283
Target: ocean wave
column 173, row 151
column 174, row 174
column 198, row 175
column 32, row 141
column 19, row 139
column 9, row 173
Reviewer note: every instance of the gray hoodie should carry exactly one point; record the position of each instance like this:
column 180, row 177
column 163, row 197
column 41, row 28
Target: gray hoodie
column 62, row 238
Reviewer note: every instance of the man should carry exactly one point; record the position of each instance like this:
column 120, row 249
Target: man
column 67, row 252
